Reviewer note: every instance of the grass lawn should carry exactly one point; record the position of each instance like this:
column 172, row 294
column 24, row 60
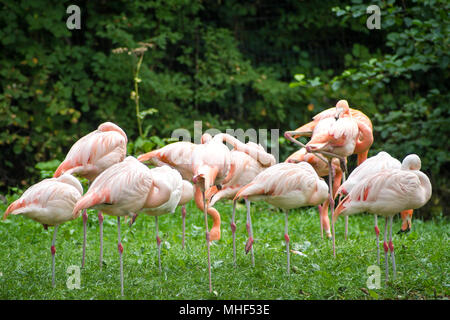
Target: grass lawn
column 422, row 258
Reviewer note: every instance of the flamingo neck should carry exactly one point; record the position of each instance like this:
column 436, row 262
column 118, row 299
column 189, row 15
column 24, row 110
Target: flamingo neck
column 365, row 139
column 212, row 212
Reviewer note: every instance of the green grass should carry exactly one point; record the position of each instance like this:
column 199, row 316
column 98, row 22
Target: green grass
column 25, row 265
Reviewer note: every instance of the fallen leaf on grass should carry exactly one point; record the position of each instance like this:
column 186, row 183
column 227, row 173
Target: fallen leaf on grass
column 299, row 253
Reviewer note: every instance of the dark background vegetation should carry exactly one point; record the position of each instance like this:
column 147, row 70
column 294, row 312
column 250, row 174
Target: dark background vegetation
column 231, row 64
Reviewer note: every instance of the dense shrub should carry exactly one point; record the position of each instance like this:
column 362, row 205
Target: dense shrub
column 227, row 63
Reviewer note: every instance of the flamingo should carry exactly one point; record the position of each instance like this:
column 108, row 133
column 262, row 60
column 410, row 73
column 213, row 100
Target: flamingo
column 365, row 136
column 333, row 137
column 129, row 187
column 246, row 169
column 365, row 139
column 382, row 161
column 169, row 182
column 212, row 165
column 177, row 155
column 322, row 169
column 49, row 202
column 287, row 186
column 387, row 193
column 90, row 156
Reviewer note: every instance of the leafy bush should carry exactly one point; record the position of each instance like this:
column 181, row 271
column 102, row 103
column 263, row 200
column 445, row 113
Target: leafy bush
column 227, row 63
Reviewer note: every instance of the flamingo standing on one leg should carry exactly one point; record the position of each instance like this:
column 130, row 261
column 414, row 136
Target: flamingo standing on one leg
column 382, row 161
column 124, row 189
column 387, row 193
column 89, row 157
column 246, row 169
column 322, row 169
column 287, row 186
column 49, row 202
column 177, row 155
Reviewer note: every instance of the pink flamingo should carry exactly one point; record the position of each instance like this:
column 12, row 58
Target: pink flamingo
column 322, row 170
column 129, row 187
column 387, row 193
column 382, row 161
column 365, row 127
column 362, row 144
column 177, row 155
column 287, row 186
column 333, row 137
column 246, row 168
column 168, row 181
column 49, row 202
column 90, row 156
column 212, row 165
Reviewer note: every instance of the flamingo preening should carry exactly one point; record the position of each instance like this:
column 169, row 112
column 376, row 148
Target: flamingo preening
column 365, row 127
column 333, row 137
column 49, row 202
column 90, row 156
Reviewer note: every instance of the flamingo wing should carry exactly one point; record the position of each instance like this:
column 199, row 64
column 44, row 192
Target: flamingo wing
column 49, row 202
column 94, row 153
column 381, row 161
column 119, row 190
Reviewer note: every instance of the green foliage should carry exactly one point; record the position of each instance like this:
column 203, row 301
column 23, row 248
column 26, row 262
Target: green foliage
column 47, row 168
column 227, row 63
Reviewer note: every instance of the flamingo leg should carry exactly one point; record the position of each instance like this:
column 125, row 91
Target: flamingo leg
column 286, row 238
column 391, row 246
column 53, row 250
column 183, row 215
column 233, row 230
column 207, row 240
column 120, row 248
column 249, row 244
column 385, row 246
column 331, row 201
column 346, row 217
column 85, row 218
column 100, row 220
column 158, row 243
column 319, row 207
column 377, row 233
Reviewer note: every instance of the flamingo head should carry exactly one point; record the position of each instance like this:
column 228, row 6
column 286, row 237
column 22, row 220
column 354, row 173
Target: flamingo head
column 411, row 162
column 342, row 108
